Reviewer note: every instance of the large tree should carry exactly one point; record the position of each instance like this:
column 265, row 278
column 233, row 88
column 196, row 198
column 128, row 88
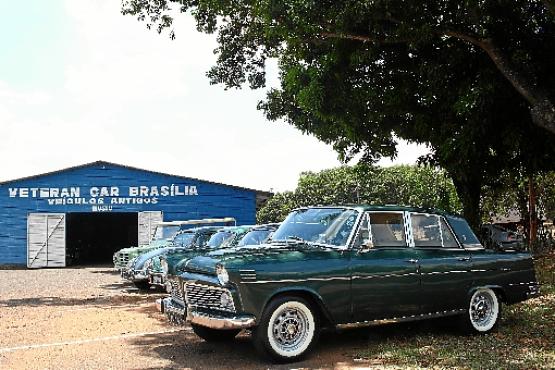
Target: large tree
column 459, row 76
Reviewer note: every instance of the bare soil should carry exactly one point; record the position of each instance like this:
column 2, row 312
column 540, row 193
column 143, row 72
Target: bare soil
column 88, row 318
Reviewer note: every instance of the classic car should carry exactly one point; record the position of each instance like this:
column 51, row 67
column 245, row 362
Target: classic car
column 163, row 233
column 138, row 269
column 169, row 263
column 350, row 266
column 497, row 237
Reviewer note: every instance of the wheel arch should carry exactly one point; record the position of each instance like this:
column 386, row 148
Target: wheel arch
column 497, row 289
column 310, row 295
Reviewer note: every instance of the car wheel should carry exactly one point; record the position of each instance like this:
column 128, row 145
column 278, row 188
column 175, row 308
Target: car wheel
column 484, row 311
column 142, row 285
column 214, row 335
column 287, row 330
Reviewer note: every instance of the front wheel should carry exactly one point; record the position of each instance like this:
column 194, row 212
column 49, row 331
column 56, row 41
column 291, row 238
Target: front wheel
column 214, row 335
column 484, row 311
column 287, row 330
column 142, row 285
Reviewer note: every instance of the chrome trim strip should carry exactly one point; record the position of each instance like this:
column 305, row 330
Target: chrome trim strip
column 367, row 277
column 345, row 278
column 529, row 283
column 444, row 272
column 400, row 319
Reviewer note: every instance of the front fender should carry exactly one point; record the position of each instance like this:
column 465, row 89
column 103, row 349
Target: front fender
column 303, row 291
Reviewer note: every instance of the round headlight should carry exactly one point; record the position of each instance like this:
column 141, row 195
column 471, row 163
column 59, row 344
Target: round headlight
column 164, row 265
column 223, row 276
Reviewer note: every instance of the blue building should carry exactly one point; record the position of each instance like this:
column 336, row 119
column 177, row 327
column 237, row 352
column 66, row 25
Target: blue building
column 100, row 207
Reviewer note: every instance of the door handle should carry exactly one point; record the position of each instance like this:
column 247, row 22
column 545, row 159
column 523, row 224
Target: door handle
column 412, row 260
column 463, row 259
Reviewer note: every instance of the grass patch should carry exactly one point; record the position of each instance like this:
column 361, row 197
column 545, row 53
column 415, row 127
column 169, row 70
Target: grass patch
column 525, row 338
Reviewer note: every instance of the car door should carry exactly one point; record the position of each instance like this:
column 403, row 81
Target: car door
column 445, row 266
column 384, row 272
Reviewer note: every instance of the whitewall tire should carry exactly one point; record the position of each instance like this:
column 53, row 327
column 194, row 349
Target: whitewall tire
column 288, row 329
column 484, row 311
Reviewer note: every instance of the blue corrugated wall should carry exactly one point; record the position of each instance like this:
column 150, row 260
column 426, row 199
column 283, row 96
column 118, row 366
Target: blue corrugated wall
column 213, row 200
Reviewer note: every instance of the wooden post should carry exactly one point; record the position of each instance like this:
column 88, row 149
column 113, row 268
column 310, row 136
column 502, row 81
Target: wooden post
column 532, row 211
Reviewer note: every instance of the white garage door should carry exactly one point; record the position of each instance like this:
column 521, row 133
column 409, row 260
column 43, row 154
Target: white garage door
column 46, row 240
column 147, row 225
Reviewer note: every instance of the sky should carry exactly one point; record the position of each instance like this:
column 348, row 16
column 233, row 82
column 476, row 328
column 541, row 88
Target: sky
column 80, row 82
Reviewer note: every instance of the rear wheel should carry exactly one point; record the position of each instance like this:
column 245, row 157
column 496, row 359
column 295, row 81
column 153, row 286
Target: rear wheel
column 484, row 311
column 288, row 329
column 214, row 335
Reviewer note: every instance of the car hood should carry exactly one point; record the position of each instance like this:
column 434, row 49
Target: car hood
column 143, row 258
column 259, row 256
column 142, row 248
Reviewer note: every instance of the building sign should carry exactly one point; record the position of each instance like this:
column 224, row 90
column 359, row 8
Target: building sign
column 103, row 198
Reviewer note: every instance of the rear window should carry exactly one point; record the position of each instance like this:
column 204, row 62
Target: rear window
column 463, row 232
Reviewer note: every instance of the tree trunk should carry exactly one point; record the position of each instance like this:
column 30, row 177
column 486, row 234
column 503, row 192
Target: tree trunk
column 468, row 191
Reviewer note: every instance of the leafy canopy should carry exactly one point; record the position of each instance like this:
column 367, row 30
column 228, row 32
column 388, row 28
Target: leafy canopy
column 420, row 186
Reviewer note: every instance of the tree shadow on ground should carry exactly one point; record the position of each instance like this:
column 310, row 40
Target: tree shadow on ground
column 65, row 301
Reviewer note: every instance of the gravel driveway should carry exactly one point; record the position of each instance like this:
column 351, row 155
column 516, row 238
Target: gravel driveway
column 81, row 318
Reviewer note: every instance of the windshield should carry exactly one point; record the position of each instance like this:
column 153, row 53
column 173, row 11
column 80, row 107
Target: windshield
column 217, row 239
column 165, row 232
column 184, row 239
column 254, row 237
column 203, row 239
column 464, row 232
column 330, row 226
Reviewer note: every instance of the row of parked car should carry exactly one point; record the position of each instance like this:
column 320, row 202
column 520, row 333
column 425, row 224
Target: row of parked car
column 330, row 267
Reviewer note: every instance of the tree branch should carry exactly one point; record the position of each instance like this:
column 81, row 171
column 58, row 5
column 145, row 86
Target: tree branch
column 363, row 38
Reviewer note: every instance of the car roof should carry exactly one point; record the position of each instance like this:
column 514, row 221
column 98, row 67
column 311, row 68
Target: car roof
column 387, row 207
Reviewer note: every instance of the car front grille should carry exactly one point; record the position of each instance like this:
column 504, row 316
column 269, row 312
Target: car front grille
column 175, row 291
column 210, row 297
column 121, row 259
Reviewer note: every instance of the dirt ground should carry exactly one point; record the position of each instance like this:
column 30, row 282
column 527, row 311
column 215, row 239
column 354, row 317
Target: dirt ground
column 87, row 318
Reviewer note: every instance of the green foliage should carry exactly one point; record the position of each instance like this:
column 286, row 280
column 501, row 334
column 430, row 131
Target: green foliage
column 419, row 186
column 358, row 74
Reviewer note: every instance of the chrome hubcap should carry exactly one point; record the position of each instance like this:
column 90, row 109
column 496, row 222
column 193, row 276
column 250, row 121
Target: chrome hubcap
column 481, row 309
column 290, row 329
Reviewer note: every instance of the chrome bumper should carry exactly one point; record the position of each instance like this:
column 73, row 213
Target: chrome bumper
column 215, row 321
column 174, row 312
column 533, row 290
column 132, row 275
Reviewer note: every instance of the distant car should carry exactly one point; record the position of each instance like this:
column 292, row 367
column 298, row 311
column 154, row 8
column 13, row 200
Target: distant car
column 497, row 237
column 162, row 269
column 344, row 267
column 163, row 234
column 138, row 268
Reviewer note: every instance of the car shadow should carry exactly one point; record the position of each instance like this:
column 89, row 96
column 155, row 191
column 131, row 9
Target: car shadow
column 335, row 349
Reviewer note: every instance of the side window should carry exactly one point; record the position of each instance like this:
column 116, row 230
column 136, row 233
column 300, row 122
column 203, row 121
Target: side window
column 387, row 229
column 425, row 230
column 363, row 239
column 431, row 231
column 448, row 237
column 179, row 239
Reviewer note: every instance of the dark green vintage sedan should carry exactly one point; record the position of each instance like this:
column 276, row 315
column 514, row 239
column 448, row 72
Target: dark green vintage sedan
column 345, row 266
